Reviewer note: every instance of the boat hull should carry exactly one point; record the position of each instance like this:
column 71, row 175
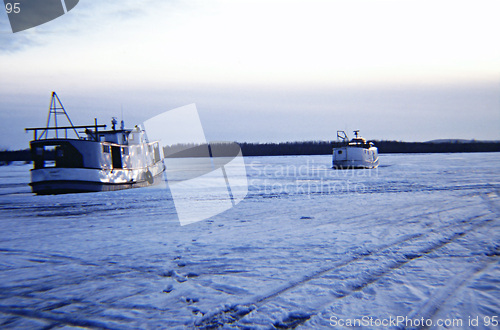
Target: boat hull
column 346, row 165
column 52, row 181
column 355, row 158
column 56, row 187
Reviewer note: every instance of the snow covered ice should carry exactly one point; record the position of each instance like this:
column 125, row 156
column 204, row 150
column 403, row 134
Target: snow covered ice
column 417, row 238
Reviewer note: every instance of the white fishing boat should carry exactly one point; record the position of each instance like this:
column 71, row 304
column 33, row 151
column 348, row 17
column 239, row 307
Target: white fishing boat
column 354, row 153
column 93, row 159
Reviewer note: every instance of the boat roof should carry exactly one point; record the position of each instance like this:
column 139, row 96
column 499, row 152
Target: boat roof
column 358, row 140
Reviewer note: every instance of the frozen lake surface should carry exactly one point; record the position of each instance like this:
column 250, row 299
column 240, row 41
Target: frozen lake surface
column 309, row 247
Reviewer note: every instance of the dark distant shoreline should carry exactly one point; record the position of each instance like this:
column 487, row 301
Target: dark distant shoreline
column 384, row 147
column 322, row 148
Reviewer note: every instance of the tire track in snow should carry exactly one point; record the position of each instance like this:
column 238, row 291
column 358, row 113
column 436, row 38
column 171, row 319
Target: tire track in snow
column 57, row 320
column 369, row 275
column 398, row 259
column 30, row 292
column 431, row 307
column 400, row 220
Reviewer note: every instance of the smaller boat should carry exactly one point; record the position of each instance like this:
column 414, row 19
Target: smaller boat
column 355, row 153
column 100, row 160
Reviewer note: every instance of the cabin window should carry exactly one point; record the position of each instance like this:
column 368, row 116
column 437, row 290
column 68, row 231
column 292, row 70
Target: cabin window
column 125, row 151
column 58, row 155
column 340, row 152
column 105, row 149
column 49, row 156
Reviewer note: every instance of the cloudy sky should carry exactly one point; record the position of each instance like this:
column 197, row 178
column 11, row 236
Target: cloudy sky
column 273, row 70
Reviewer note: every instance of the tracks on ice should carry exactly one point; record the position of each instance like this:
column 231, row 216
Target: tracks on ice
column 369, row 269
column 23, row 300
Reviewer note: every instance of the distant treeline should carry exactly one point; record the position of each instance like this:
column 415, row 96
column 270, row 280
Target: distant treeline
column 387, row 147
column 298, row 148
column 8, row 156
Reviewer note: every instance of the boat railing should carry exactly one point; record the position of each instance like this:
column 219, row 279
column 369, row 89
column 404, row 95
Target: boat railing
column 44, row 131
column 342, row 138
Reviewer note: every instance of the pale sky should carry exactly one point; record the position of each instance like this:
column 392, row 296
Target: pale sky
column 262, row 70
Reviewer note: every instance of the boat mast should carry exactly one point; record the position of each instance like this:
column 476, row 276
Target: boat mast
column 57, row 110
